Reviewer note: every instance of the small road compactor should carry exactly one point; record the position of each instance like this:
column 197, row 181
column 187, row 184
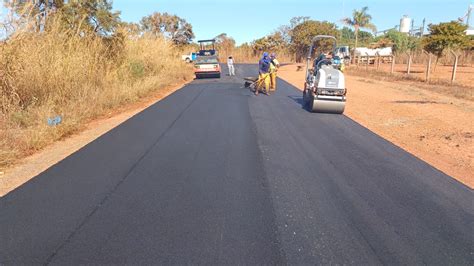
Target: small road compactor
column 325, row 87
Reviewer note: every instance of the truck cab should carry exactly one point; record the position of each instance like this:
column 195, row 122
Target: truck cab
column 207, row 47
column 191, row 57
column 344, row 53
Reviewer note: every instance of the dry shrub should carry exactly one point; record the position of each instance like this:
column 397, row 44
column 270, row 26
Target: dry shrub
column 246, row 54
column 55, row 72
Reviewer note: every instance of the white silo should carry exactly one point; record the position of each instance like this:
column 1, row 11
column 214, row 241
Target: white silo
column 405, row 24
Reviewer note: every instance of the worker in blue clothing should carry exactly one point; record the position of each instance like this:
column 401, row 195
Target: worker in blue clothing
column 264, row 73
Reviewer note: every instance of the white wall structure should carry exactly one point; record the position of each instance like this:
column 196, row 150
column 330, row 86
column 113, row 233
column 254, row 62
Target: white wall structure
column 364, row 51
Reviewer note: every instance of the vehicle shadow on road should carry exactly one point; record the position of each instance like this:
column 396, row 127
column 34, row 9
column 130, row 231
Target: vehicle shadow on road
column 298, row 100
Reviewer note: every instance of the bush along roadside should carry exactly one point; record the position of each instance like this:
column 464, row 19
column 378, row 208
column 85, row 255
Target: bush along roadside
column 76, row 77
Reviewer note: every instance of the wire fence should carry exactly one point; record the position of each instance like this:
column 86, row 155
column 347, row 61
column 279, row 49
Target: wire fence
column 452, row 68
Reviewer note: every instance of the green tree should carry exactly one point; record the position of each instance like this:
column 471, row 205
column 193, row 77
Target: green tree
column 80, row 16
column 383, row 42
column 131, row 28
column 277, row 41
column 273, row 42
column 365, row 38
column 225, row 44
column 171, row 26
column 285, row 30
column 346, row 35
column 360, row 20
column 261, row 44
column 446, row 36
column 302, row 34
column 400, row 42
column 38, row 8
column 91, row 15
column 245, row 51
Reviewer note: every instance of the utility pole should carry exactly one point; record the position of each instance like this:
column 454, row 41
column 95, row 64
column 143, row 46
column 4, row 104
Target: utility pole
column 467, row 16
column 468, row 20
column 423, row 28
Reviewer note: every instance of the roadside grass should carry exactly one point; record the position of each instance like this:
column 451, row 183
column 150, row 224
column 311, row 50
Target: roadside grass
column 56, row 73
column 439, row 86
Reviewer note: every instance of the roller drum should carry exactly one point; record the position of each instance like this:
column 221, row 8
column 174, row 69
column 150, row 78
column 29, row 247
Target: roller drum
column 325, row 106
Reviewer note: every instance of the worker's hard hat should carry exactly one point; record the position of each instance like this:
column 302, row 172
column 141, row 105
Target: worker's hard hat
column 265, row 54
column 273, row 55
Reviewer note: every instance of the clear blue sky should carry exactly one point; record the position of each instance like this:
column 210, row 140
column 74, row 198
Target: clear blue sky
column 246, row 20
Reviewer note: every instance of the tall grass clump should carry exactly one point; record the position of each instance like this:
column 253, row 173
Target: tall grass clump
column 57, row 71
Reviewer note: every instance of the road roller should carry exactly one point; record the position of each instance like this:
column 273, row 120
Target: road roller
column 324, row 88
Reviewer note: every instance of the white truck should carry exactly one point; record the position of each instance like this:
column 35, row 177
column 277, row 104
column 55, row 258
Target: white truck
column 344, row 53
column 189, row 57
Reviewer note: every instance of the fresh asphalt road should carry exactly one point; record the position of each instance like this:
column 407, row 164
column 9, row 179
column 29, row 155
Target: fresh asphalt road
column 215, row 175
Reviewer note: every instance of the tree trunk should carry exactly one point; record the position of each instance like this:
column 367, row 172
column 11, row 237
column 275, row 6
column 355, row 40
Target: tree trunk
column 409, row 62
column 357, row 37
column 436, row 64
column 356, row 31
column 393, row 64
column 428, row 68
column 455, row 66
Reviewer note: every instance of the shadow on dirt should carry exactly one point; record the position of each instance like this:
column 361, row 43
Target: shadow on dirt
column 418, row 102
column 411, row 71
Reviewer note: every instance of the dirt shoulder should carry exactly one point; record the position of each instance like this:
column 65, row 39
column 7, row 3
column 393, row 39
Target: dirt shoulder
column 33, row 165
column 436, row 128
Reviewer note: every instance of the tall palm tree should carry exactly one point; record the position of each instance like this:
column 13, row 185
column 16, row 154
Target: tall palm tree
column 360, row 19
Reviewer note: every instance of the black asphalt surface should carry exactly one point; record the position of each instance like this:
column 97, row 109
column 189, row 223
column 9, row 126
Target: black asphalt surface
column 215, row 175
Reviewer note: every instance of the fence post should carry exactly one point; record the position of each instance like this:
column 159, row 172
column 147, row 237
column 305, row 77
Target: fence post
column 393, row 64
column 378, row 60
column 455, row 66
column 409, row 63
column 367, row 63
column 428, row 67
